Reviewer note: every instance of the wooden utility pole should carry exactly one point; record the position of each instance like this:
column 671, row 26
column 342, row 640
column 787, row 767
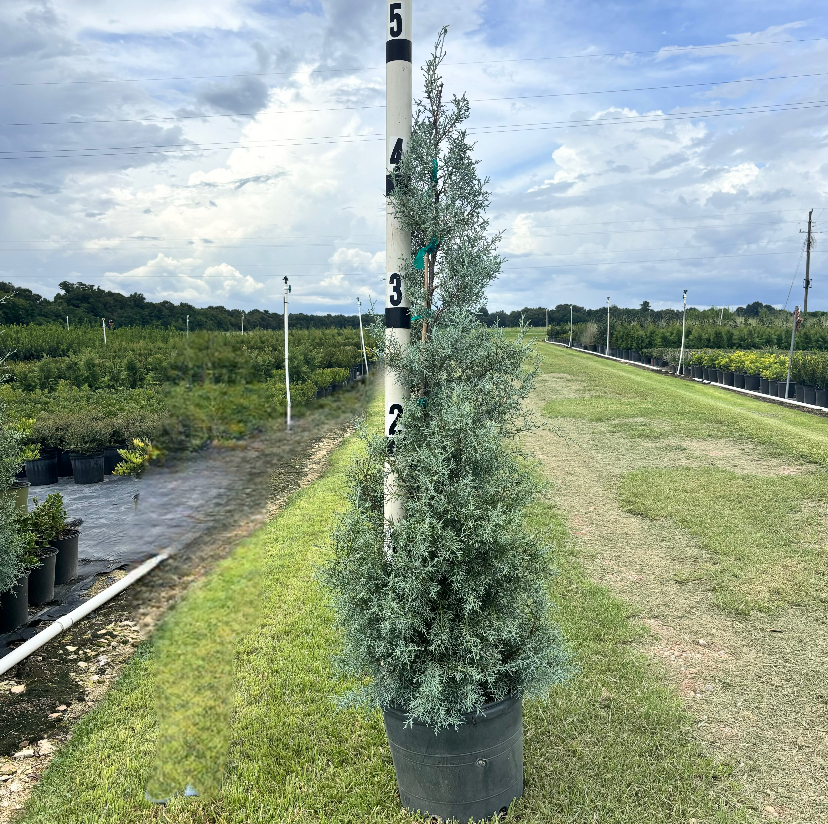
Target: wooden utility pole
column 808, row 246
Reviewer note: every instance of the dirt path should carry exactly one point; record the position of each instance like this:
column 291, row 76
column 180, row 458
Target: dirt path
column 755, row 685
column 42, row 697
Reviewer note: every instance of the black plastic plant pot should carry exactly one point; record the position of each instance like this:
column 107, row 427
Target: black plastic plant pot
column 800, row 392
column 112, row 458
column 719, row 376
column 88, row 469
column 472, row 772
column 821, row 397
column 66, row 562
column 764, row 386
column 752, row 383
column 43, row 471
column 14, row 606
column 810, row 395
column 728, row 378
column 64, row 464
column 42, row 579
column 739, row 380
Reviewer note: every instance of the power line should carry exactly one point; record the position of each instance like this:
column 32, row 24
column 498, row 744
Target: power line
column 175, row 118
column 587, row 55
column 477, row 130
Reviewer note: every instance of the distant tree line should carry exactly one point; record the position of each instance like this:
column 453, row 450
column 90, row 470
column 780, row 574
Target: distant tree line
column 86, row 304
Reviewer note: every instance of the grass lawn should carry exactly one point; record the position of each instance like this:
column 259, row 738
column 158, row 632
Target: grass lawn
column 705, row 512
column 613, row 745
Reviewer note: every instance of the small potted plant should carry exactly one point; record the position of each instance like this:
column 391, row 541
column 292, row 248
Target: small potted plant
column 44, row 524
column 87, row 435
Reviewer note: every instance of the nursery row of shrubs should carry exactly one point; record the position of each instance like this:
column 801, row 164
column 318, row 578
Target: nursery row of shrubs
column 762, row 372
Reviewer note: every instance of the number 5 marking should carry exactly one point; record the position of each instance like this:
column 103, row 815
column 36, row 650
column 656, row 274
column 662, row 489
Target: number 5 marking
column 396, row 19
column 396, row 289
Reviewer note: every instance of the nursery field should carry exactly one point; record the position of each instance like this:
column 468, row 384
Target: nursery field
column 81, row 393
column 689, row 531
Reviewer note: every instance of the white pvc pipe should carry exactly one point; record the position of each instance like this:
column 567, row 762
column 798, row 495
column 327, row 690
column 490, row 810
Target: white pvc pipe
column 61, row 624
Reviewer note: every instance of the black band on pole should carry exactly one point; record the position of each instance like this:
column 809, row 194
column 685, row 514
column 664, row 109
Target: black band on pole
column 389, row 184
column 398, row 317
column 397, row 50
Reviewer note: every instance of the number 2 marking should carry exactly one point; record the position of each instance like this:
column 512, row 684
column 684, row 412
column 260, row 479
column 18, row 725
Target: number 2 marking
column 394, row 409
column 396, row 19
column 396, row 289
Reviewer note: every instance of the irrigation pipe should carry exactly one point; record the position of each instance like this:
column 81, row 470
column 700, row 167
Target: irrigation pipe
column 54, row 629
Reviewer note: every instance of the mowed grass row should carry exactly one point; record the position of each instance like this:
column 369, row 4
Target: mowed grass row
column 612, row 745
column 762, row 534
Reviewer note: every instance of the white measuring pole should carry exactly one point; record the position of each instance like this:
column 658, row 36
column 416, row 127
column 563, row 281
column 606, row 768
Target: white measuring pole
column 570, row 325
column 67, row 323
column 397, row 26
column 790, row 354
column 362, row 337
column 607, row 352
column 103, row 326
column 242, row 322
column 188, row 327
column 683, row 318
column 287, row 362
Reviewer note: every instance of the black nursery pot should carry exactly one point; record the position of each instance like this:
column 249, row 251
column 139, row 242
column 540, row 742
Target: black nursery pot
column 471, row 772
column 64, row 464
column 763, row 386
column 821, row 397
column 42, row 579
column 112, row 458
column 810, row 395
column 752, row 383
column 14, row 606
column 88, row 469
column 739, row 380
column 800, row 392
column 66, row 562
column 43, row 471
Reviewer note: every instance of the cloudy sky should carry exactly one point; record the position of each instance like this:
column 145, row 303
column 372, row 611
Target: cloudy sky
column 200, row 150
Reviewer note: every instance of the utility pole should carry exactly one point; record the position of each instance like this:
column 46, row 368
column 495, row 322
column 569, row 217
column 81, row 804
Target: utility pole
column 683, row 319
column 362, row 337
column 398, row 70
column 287, row 360
column 607, row 350
column 570, row 325
column 808, row 246
column 796, row 322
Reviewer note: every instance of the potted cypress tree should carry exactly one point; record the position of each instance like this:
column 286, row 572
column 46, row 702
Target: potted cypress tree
column 445, row 615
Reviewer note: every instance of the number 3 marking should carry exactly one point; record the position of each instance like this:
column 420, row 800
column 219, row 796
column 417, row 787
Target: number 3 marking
column 396, row 289
column 396, row 19
column 395, row 408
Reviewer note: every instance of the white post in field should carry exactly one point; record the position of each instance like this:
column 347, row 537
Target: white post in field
column 683, row 319
column 607, row 351
column 362, row 337
column 188, row 327
column 570, row 325
column 242, row 322
column 67, row 323
column 287, row 361
column 103, row 326
column 397, row 26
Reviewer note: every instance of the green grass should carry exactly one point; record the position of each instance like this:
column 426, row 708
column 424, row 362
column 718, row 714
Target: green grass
column 763, row 538
column 612, row 746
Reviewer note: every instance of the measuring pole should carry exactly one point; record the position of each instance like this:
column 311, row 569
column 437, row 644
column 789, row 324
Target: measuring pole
column 790, row 354
column 362, row 337
column 683, row 319
column 67, row 323
column 287, row 369
column 721, row 316
column 103, row 326
column 547, row 324
column 607, row 351
column 242, row 322
column 570, row 325
column 188, row 327
column 808, row 244
column 397, row 241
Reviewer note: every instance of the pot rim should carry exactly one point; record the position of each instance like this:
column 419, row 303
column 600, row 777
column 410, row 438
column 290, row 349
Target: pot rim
column 487, row 711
